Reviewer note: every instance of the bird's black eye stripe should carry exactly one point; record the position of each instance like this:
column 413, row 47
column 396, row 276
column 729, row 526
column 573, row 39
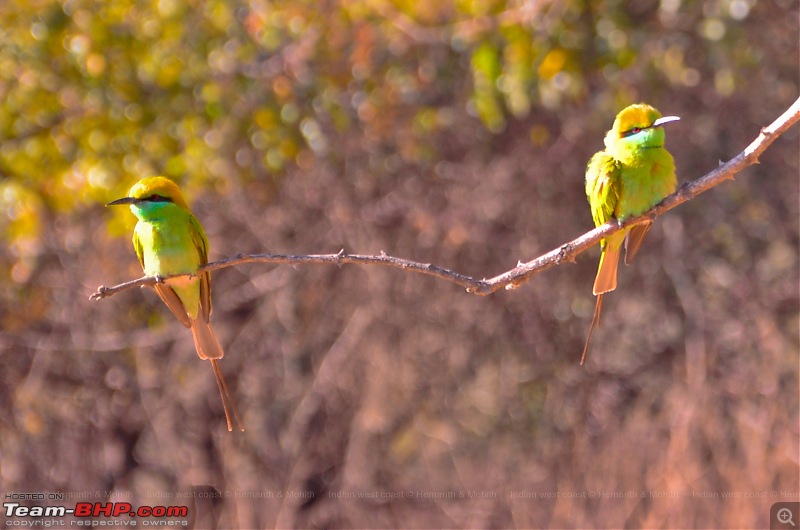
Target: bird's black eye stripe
column 158, row 198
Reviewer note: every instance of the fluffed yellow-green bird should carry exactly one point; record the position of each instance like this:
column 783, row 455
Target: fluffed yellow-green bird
column 169, row 240
column 632, row 174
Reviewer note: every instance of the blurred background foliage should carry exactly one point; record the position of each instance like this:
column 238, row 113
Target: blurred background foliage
column 453, row 132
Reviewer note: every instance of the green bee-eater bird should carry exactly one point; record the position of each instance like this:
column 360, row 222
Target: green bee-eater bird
column 169, row 240
column 631, row 175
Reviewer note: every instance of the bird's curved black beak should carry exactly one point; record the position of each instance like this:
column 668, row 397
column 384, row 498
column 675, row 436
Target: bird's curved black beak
column 124, row 200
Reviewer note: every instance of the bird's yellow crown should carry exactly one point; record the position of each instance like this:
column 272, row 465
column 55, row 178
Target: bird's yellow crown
column 160, row 186
column 639, row 116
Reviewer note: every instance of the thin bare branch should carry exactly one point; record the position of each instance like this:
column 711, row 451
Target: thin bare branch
column 523, row 272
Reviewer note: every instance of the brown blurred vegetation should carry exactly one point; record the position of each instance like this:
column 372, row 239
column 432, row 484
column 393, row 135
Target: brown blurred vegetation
column 450, row 132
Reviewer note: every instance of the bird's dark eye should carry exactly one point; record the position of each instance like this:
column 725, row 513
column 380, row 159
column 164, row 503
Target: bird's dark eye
column 157, row 198
column 631, row 132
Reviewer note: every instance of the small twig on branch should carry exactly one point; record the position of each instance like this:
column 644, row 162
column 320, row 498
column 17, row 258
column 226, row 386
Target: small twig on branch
column 523, row 272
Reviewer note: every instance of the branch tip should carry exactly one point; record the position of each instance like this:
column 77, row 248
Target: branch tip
column 100, row 293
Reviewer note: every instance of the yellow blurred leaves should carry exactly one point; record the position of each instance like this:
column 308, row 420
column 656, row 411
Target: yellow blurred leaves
column 552, row 63
column 96, row 93
column 20, row 220
column 485, row 71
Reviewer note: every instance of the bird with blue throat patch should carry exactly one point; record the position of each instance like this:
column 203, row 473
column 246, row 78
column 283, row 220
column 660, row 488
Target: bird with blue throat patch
column 169, row 240
column 631, row 175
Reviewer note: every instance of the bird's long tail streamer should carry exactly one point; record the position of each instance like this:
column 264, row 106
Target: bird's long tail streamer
column 226, row 397
column 595, row 322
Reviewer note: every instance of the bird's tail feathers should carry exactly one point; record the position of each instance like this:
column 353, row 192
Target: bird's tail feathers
column 208, row 347
column 595, row 322
column 633, row 241
column 606, row 279
column 225, row 394
column 205, row 340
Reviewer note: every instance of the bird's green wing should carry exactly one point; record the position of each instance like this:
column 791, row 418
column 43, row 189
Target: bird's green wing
column 137, row 246
column 602, row 187
column 199, row 239
column 201, row 244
